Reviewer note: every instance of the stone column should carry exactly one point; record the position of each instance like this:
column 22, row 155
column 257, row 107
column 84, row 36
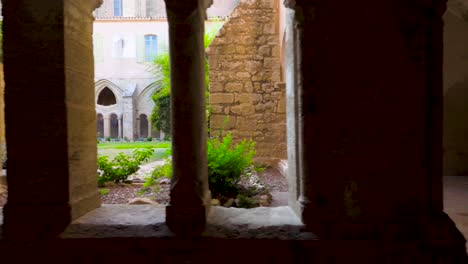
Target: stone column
column 107, row 126
column 138, row 128
column 370, row 143
column 292, row 109
column 149, row 127
column 190, row 197
column 120, row 127
column 129, row 128
column 56, row 97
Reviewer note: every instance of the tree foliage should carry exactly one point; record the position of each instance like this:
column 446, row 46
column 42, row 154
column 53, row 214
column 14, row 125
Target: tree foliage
column 161, row 115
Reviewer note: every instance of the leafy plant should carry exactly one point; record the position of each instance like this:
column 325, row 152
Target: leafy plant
column 163, row 170
column 121, row 166
column 226, row 162
column 104, row 192
column 149, row 139
column 259, row 168
column 243, row 201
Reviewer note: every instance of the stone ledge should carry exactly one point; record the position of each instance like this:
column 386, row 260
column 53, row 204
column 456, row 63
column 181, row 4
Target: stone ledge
column 149, row 221
column 110, row 221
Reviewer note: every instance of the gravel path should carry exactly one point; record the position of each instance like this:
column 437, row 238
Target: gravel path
column 146, row 170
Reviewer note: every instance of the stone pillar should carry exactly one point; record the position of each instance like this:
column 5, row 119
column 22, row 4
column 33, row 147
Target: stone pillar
column 138, row 126
column 107, row 126
column 2, row 118
column 120, row 127
column 149, row 127
column 56, row 97
column 129, row 128
column 292, row 116
column 371, row 141
column 190, row 197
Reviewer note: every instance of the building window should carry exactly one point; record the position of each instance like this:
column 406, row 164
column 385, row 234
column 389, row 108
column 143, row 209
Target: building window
column 118, row 8
column 150, row 47
column 151, row 7
column 118, row 45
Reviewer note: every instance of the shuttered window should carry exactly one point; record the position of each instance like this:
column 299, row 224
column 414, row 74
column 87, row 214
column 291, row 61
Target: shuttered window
column 118, row 8
column 128, row 8
column 150, row 47
column 98, row 48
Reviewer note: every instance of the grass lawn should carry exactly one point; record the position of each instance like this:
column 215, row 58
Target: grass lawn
column 160, row 149
column 134, row 145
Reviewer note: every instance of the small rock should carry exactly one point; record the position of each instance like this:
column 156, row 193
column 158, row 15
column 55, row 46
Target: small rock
column 164, row 181
column 137, row 180
column 138, row 201
column 215, row 202
column 264, row 200
column 229, row 202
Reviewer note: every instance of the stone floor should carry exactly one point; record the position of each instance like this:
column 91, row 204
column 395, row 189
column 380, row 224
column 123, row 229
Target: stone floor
column 456, row 201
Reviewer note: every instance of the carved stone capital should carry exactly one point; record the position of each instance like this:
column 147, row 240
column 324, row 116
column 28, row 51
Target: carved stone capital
column 96, row 3
column 181, row 9
column 207, row 3
column 304, row 11
column 289, row 4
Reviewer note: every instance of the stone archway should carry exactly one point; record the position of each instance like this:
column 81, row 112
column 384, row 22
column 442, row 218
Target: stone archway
column 114, row 126
column 100, row 125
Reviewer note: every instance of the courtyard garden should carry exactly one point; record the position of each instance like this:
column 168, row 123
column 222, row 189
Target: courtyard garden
column 140, row 172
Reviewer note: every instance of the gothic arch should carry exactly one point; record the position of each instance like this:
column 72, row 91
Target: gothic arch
column 148, row 91
column 102, row 84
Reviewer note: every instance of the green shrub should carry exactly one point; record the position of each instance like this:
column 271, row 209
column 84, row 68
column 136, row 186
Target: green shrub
column 246, row 202
column 149, row 139
column 259, row 168
column 158, row 172
column 104, row 191
column 226, row 162
column 163, row 170
column 121, row 166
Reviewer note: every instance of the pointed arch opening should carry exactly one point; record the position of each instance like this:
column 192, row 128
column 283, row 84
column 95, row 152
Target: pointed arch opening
column 106, row 97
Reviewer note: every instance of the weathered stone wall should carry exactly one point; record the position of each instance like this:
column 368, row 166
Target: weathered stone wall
column 456, row 89
column 245, row 79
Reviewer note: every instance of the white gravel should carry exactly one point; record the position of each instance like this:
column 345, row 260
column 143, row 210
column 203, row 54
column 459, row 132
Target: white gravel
column 146, row 170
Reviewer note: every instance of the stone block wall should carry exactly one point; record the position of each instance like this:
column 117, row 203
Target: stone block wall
column 2, row 118
column 245, row 79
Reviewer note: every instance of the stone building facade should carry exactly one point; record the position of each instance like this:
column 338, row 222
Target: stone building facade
column 127, row 35
column 246, row 84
